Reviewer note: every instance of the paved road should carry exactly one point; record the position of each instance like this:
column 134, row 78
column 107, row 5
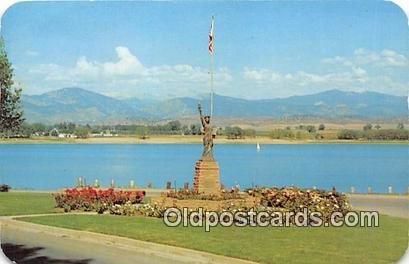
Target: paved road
column 26, row 246
column 384, row 204
column 28, row 243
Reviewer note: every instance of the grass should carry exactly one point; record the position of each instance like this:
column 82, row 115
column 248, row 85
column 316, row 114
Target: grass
column 20, row 203
column 384, row 244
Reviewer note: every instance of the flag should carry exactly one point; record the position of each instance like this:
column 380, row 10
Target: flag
column 210, row 46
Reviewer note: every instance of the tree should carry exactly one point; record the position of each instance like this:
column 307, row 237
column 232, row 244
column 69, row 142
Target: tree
column 194, row 129
column 249, row 132
column 141, row 130
column 282, row 133
column 321, row 127
column 378, row 126
column 234, row 132
column 81, row 132
column 66, row 127
column 367, row 127
column 11, row 114
column 310, row 129
column 400, row 126
column 348, row 134
column 174, row 126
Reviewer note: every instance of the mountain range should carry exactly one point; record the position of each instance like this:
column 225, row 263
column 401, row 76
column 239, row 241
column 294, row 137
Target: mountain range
column 82, row 106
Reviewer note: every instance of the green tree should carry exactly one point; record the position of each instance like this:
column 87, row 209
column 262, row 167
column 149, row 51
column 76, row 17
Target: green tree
column 400, row 126
column 195, row 129
column 348, row 134
column 234, row 132
column 282, row 133
column 249, row 132
column 141, row 130
column 378, row 126
column 310, row 129
column 174, row 126
column 27, row 129
column 11, row 114
column 81, row 132
column 367, row 127
column 321, row 127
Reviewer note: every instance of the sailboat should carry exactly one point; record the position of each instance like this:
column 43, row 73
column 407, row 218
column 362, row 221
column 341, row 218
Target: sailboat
column 258, row 147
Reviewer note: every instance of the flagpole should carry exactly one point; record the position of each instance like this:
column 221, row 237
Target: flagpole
column 211, row 86
column 211, row 72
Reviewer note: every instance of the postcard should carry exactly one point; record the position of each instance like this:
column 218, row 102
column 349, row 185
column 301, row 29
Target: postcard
column 204, row 132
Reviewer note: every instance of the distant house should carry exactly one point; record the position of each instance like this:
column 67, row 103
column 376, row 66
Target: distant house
column 106, row 133
column 54, row 132
column 66, row 135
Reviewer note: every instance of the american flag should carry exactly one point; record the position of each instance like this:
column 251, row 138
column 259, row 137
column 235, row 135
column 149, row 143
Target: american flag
column 210, row 47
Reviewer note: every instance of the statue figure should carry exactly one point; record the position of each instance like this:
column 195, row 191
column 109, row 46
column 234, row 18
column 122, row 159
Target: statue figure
column 208, row 135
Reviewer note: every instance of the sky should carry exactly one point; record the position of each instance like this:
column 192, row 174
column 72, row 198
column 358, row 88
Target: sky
column 159, row 49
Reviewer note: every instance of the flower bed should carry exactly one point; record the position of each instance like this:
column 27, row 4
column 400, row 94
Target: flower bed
column 150, row 210
column 90, row 199
column 295, row 200
column 274, row 199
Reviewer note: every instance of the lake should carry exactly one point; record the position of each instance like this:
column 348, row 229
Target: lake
column 52, row 166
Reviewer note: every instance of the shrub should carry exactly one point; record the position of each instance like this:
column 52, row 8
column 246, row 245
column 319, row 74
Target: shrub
column 282, row 133
column 4, row 188
column 295, row 200
column 155, row 210
column 378, row 134
column 348, row 134
column 310, row 129
column 89, row 199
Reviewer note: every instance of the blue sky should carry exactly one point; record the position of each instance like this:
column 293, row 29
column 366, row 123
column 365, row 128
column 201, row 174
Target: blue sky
column 159, row 49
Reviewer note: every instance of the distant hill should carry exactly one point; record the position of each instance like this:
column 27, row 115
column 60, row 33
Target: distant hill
column 83, row 106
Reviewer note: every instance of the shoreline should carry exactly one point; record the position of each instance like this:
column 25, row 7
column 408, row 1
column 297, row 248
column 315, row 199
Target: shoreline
column 157, row 191
column 178, row 139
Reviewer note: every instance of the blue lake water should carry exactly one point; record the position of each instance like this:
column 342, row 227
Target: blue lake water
column 51, row 166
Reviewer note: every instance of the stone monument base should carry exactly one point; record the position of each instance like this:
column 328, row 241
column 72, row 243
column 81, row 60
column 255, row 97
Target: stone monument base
column 206, row 178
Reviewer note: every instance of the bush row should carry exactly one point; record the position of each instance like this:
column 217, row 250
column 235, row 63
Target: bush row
column 372, row 134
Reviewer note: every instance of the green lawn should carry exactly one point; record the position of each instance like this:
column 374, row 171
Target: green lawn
column 384, row 244
column 20, row 203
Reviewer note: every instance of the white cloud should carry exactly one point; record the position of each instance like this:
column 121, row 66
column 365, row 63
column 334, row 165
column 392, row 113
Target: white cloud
column 392, row 58
column 127, row 76
column 299, row 78
column 301, row 82
column 128, row 64
column 384, row 58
